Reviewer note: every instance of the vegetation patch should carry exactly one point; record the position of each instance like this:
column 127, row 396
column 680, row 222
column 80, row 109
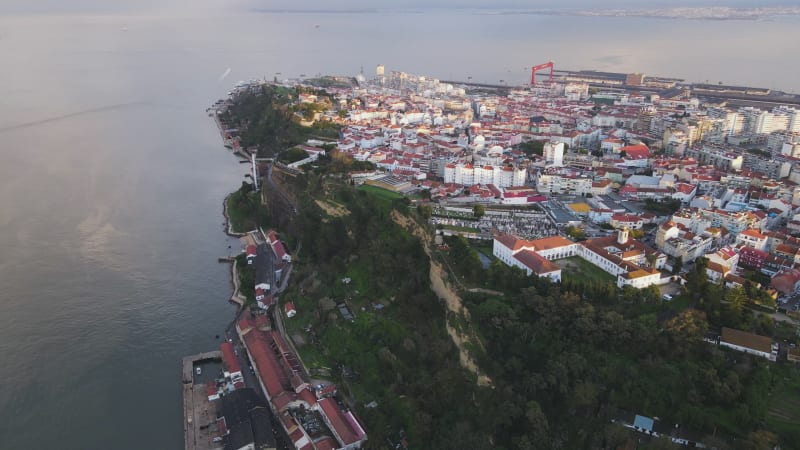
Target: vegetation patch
column 331, row 208
column 380, row 192
column 247, row 276
column 292, row 155
column 663, row 207
column 581, row 271
column 783, row 415
column 266, row 119
column 461, row 229
column 245, row 209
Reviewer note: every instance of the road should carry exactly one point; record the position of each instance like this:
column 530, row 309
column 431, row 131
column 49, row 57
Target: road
column 264, row 265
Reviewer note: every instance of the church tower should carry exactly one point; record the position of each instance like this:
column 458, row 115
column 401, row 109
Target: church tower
column 622, row 236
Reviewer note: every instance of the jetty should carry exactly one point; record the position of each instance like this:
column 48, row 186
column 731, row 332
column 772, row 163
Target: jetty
column 196, row 407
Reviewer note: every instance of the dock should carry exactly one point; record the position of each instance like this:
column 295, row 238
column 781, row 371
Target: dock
column 193, row 409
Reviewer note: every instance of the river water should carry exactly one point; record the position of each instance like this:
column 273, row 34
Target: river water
column 112, row 177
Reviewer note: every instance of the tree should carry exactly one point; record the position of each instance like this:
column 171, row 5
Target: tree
column 575, row 233
column 651, row 294
column 293, row 155
column 478, row 211
column 651, row 260
column 736, row 298
column 687, row 327
column 424, row 211
column 537, row 421
column 697, row 280
column 532, row 148
column 676, row 268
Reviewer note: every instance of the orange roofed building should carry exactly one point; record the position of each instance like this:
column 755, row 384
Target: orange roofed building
column 534, row 256
column 630, row 261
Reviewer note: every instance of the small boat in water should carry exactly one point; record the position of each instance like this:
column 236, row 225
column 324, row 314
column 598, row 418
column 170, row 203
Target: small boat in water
column 198, row 370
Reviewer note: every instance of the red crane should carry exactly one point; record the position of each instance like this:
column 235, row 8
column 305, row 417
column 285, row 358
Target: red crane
column 535, row 69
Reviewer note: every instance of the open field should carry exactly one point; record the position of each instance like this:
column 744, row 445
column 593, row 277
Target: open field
column 385, row 199
column 579, row 269
column 380, row 192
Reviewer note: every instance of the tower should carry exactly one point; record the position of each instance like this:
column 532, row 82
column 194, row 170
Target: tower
column 622, row 236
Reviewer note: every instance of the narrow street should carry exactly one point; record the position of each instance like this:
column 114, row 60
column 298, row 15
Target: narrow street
column 264, row 268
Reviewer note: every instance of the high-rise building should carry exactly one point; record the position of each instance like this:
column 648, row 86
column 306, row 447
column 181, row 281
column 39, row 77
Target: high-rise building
column 756, row 121
column 554, row 153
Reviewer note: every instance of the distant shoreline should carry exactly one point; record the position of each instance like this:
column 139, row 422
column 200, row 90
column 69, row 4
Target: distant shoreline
column 714, row 13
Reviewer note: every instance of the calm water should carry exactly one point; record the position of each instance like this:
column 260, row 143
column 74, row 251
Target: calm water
column 112, row 178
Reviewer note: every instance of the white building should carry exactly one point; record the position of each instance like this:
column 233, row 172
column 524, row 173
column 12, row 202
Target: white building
column 534, row 256
column 500, row 176
column 554, row 154
column 627, row 259
column 674, row 240
column 748, row 343
column 563, row 184
column 752, row 238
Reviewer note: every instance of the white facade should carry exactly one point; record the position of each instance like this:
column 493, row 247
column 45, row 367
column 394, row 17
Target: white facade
column 500, row 176
column 753, row 239
column 770, row 356
column 639, row 282
column 554, row 154
column 558, row 184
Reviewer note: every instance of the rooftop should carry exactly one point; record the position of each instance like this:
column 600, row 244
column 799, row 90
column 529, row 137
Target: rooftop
column 748, row 340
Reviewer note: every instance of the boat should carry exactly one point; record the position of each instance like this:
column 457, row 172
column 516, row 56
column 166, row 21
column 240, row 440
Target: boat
column 198, row 370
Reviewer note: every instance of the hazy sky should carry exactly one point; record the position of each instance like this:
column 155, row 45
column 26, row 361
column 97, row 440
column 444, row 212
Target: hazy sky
column 195, row 6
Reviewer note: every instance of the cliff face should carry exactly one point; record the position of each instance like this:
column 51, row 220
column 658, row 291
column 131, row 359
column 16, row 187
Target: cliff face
column 277, row 196
column 458, row 323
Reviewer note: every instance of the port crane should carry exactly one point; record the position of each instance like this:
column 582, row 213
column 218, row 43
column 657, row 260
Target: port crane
column 535, row 69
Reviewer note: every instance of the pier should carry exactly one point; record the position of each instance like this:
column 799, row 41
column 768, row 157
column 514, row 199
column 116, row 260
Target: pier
column 196, row 417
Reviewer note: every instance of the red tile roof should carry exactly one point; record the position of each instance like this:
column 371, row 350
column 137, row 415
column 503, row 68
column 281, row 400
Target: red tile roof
column 269, row 369
column 340, row 424
column 512, row 242
column 307, row 396
column 786, row 281
column 636, row 151
column 685, row 188
column 630, row 218
column 745, row 339
column 551, row 242
column 229, row 358
column 537, row 263
column 326, row 443
column 753, row 233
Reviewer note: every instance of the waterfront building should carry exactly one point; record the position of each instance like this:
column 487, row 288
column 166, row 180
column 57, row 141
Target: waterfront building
column 308, row 413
